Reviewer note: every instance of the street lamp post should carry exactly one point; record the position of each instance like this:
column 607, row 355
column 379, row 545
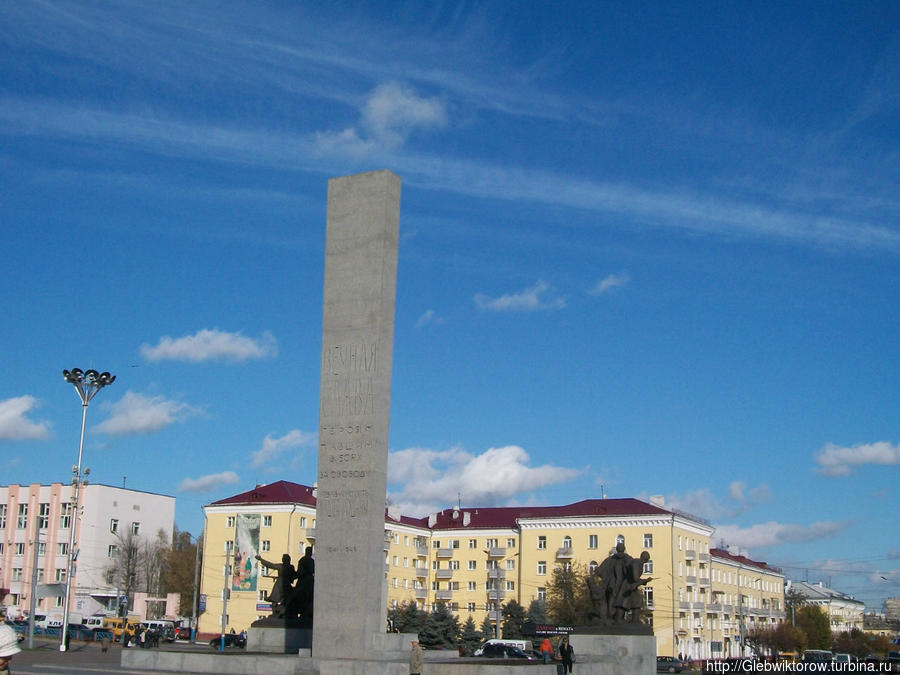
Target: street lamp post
column 86, row 384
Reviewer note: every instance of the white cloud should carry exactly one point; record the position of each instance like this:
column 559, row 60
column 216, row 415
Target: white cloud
column 14, row 422
column 391, row 112
column 608, row 283
column 429, row 318
column 139, row 414
column 834, row 460
column 702, row 502
column 432, row 479
column 209, row 345
column 527, row 300
column 209, row 482
column 273, row 447
column 772, row 533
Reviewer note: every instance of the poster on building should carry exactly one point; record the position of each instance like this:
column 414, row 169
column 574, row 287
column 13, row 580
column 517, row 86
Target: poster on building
column 246, row 548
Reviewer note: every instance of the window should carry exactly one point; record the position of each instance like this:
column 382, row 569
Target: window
column 229, row 545
column 510, row 585
column 110, row 577
column 112, row 551
column 113, row 525
column 541, row 593
column 473, row 543
column 62, row 548
column 620, row 539
column 542, row 542
column 592, row 566
column 470, row 607
column 510, row 543
column 17, row 574
column 542, row 567
column 265, row 545
column 405, row 561
column 22, row 518
column 490, row 543
column 229, row 522
column 60, row 574
column 510, row 564
column 454, row 564
column 262, row 595
column 65, row 516
column 44, row 516
column 135, row 528
column 302, row 521
column 648, row 567
column 1, row 548
column 42, row 548
column 592, row 541
column 395, row 561
column 435, row 544
column 19, row 548
column 567, row 543
column 471, row 586
column 648, row 596
column 2, row 516
column 267, row 521
column 648, row 541
column 473, row 564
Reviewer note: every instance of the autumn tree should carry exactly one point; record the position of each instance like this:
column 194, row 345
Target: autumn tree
column 179, row 572
column 813, row 621
column 568, row 601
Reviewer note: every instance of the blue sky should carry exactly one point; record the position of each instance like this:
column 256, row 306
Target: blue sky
column 646, row 248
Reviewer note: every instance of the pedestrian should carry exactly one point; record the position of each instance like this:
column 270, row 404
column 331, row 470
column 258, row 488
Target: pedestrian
column 9, row 647
column 567, row 654
column 415, row 658
column 104, row 642
column 546, row 650
column 126, row 638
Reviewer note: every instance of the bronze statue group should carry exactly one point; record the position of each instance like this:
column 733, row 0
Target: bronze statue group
column 292, row 594
column 615, row 588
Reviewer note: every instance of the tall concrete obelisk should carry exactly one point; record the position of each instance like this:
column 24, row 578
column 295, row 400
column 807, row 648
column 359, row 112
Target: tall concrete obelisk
column 354, row 413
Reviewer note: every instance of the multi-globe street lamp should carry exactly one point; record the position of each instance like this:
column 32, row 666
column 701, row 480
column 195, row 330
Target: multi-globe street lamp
column 87, row 384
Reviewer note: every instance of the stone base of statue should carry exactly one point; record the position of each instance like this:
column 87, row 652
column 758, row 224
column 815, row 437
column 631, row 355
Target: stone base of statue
column 622, row 649
column 278, row 636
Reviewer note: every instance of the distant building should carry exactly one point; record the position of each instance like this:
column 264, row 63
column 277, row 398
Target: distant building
column 476, row 559
column 844, row 612
column 104, row 514
column 892, row 609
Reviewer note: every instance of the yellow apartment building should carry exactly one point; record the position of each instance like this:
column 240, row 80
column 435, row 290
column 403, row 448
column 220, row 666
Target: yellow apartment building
column 476, row 559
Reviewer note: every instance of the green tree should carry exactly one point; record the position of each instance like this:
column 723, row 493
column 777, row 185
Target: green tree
column 568, row 601
column 470, row 636
column 537, row 611
column 513, row 618
column 815, row 625
column 441, row 629
column 487, row 628
column 407, row 618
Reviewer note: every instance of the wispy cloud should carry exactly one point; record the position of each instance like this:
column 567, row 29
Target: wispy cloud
column 211, row 345
column 209, row 482
column 429, row 318
column 608, row 283
column 15, row 424
column 273, row 447
column 139, row 414
column 534, row 298
column 391, row 112
column 428, row 480
column 773, row 533
column 834, row 460
column 704, row 503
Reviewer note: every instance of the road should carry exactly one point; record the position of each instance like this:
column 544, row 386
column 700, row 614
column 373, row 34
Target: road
column 81, row 659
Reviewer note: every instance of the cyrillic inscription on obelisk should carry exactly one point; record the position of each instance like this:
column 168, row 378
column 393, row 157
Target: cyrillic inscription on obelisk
column 354, row 411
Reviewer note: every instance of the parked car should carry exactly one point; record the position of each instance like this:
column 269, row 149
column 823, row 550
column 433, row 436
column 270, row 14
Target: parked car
column 669, row 664
column 505, row 652
column 183, row 633
column 236, row 640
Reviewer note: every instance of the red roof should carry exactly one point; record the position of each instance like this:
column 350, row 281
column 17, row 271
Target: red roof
column 722, row 553
column 280, row 492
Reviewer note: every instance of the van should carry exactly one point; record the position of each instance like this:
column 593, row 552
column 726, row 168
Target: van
column 524, row 645
column 164, row 627
column 116, row 625
column 95, row 621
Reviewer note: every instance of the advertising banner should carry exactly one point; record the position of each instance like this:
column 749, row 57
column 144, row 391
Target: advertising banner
column 246, row 548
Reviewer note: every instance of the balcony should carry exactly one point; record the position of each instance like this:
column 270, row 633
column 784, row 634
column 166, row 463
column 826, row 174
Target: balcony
column 421, row 572
column 565, row 553
column 422, row 551
column 690, row 580
column 311, row 533
column 421, row 593
column 683, row 605
column 704, row 581
column 496, row 552
column 496, row 594
column 496, row 574
column 443, row 574
column 704, row 557
column 690, row 554
column 444, row 553
column 698, row 605
column 714, row 607
column 443, row 595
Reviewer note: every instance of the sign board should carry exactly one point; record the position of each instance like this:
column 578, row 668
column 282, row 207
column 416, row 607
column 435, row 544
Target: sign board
column 201, row 605
column 544, row 629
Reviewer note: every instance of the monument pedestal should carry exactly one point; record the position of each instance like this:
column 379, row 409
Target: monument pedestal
column 278, row 636
column 621, row 654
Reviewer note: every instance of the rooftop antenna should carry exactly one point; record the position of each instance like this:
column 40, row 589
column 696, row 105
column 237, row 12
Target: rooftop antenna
column 123, row 480
column 459, row 501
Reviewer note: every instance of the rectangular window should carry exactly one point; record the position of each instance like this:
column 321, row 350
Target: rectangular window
column 490, row 543
column 510, row 585
column 65, row 516
column 471, row 586
column 510, row 543
column 229, row 522
column 22, row 518
column 470, row 607
column 135, row 528
column 435, row 544
column 17, row 574
column 592, row 541
column 454, row 543
column 541, row 542
column 648, row 541
column 114, row 525
column 542, row 567
column 110, row 577
column 473, row 543
column 2, row 516
column 112, row 551
column 19, row 548
column 44, row 516
column 473, row 564
column 229, row 546
column 302, row 521
column 267, row 521
column 60, row 574
column 510, row 564
column 62, row 548
column 541, row 593
column 265, row 545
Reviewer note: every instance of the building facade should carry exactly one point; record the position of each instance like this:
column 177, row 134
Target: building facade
column 476, row 559
column 844, row 612
column 44, row 513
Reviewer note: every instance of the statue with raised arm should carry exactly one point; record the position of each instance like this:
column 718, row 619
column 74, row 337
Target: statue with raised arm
column 281, row 591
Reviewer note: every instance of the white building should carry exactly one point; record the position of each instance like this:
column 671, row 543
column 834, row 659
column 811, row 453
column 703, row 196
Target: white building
column 106, row 515
column 843, row 610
